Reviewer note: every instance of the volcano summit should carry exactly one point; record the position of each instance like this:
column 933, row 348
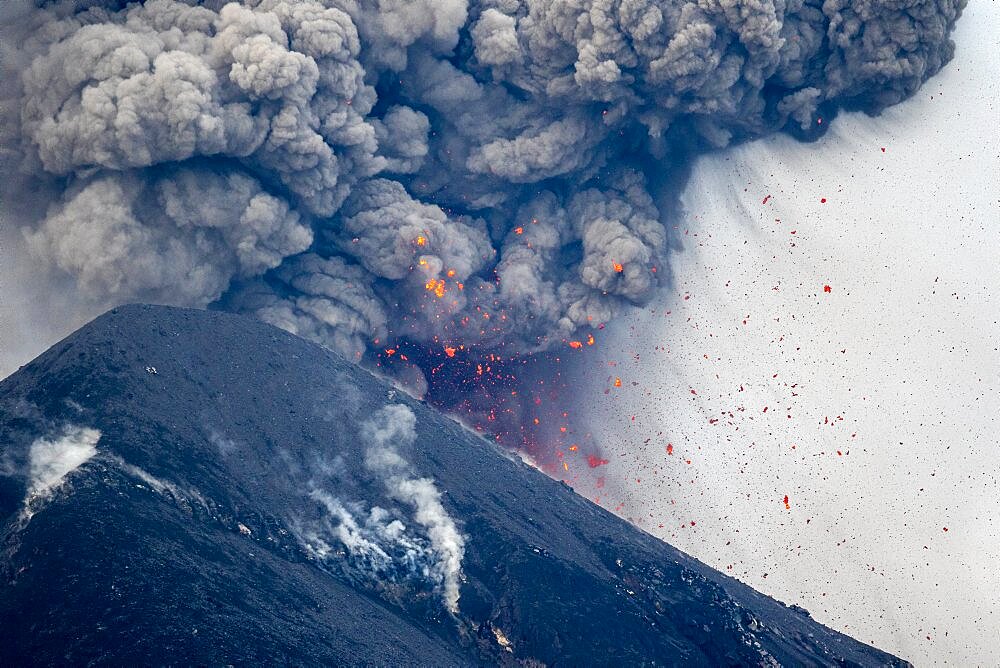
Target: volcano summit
column 192, row 487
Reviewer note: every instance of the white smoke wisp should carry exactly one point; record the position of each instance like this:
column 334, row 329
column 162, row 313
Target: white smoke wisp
column 378, row 543
column 372, row 544
column 50, row 460
column 392, row 427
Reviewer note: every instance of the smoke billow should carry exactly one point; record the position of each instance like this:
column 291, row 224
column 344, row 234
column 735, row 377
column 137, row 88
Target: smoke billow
column 484, row 175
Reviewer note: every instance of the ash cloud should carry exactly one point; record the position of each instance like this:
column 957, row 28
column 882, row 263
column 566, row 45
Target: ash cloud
column 494, row 174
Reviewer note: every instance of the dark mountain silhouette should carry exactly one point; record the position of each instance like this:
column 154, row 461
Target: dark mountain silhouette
column 241, row 505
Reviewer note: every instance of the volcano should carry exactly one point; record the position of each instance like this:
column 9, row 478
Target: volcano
column 193, row 487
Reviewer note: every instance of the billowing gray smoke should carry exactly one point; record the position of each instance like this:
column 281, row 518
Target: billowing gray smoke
column 486, row 173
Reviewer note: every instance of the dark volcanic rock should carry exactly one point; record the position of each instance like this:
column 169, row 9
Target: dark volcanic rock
column 186, row 538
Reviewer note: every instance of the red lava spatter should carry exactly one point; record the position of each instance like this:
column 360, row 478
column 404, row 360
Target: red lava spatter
column 727, row 412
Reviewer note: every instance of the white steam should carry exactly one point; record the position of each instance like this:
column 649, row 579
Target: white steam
column 395, row 426
column 377, row 541
column 51, row 460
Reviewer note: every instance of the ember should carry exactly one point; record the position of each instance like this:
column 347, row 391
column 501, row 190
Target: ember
column 437, row 286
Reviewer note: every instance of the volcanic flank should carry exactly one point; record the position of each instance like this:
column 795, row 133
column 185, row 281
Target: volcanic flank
column 190, row 487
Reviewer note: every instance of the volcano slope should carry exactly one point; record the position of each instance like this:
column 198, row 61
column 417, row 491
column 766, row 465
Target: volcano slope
column 192, row 487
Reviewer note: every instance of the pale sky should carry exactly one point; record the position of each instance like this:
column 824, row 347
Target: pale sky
column 874, row 406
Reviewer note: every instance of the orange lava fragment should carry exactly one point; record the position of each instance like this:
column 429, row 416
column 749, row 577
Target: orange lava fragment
column 451, row 273
column 618, row 268
column 575, row 344
column 574, row 447
column 618, row 382
column 670, row 448
column 450, row 352
column 565, row 466
column 436, row 285
column 390, row 351
column 590, row 339
column 827, row 288
column 518, row 230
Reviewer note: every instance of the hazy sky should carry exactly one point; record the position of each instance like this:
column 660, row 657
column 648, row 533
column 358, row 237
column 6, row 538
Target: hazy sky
column 874, row 406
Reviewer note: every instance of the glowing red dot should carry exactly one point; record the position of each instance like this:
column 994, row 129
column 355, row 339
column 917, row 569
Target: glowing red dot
column 593, row 462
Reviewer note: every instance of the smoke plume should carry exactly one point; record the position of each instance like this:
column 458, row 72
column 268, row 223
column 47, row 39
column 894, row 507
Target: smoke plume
column 392, row 427
column 378, row 541
column 487, row 176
